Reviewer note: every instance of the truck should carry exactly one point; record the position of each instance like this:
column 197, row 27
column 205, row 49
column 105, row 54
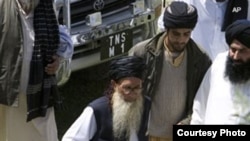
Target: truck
column 102, row 30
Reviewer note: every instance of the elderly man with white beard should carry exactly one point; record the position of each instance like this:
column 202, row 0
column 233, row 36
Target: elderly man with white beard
column 122, row 113
column 224, row 95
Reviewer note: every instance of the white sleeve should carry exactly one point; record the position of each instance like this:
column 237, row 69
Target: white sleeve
column 66, row 47
column 83, row 129
column 200, row 100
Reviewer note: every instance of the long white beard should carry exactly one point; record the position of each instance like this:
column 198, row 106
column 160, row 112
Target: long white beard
column 126, row 115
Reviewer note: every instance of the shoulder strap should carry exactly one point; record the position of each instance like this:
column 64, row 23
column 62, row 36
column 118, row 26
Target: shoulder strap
column 154, row 59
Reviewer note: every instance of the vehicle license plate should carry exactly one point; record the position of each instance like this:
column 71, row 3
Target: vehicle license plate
column 116, row 44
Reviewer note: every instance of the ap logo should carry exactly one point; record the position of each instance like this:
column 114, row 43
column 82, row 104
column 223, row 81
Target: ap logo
column 236, row 9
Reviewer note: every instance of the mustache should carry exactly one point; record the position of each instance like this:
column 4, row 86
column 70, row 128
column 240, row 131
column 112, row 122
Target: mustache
column 236, row 62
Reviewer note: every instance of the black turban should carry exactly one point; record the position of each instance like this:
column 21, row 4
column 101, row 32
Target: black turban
column 127, row 66
column 180, row 15
column 239, row 30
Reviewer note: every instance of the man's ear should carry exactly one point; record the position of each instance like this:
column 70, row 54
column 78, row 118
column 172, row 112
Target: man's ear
column 113, row 83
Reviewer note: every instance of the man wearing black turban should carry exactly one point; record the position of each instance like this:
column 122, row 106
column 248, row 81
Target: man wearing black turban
column 180, row 15
column 176, row 66
column 224, row 95
column 214, row 17
column 239, row 30
column 127, row 67
column 120, row 115
column 238, row 61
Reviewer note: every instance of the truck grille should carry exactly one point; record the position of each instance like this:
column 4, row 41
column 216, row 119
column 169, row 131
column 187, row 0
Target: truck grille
column 80, row 9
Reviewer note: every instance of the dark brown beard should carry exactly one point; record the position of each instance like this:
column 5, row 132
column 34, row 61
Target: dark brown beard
column 237, row 73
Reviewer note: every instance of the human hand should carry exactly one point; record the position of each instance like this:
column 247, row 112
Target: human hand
column 52, row 67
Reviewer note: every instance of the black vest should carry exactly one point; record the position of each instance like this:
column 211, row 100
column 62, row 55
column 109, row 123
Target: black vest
column 103, row 116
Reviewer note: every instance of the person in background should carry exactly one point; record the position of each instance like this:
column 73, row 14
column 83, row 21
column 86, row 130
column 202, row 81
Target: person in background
column 176, row 66
column 224, row 95
column 122, row 113
column 32, row 44
column 214, row 17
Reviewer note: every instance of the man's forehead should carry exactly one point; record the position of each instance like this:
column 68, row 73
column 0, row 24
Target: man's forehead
column 238, row 45
column 181, row 30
